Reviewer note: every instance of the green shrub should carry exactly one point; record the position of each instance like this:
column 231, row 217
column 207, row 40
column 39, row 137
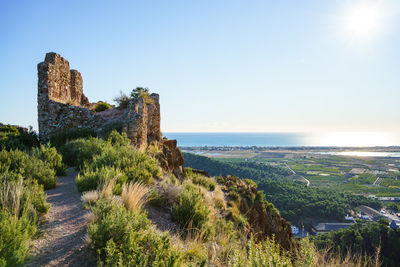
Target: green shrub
column 91, row 179
column 15, row 233
column 64, row 136
column 101, row 106
column 16, row 138
column 190, row 210
column 20, row 202
column 197, row 178
column 156, row 199
column 96, row 153
column 121, row 238
column 120, row 139
column 122, row 100
column 79, row 152
column 140, row 92
column 49, row 155
column 110, row 127
column 33, row 194
column 265, row 253
column 29, row 167
column 135, row 164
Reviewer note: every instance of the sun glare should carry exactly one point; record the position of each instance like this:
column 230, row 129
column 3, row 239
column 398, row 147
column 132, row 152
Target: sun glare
column 363, row 21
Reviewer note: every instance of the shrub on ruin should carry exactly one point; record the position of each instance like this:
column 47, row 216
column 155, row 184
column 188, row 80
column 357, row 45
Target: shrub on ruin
column 122, row 100
column 101, row 106
column 67, row 135
column 190, row 210
column 140, row 92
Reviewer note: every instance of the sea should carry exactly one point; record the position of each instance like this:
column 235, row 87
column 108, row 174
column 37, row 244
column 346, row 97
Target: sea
column 325, row 139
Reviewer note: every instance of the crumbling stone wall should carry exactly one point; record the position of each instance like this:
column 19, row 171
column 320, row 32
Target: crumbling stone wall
column 61, row 102
column 63, row 105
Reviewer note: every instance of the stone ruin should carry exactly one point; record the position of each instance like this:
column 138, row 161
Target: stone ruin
column 63, row 105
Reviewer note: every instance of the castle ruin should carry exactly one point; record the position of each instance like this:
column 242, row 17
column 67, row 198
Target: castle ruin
column 63, row 105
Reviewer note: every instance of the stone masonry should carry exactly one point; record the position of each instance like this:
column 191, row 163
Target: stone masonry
column 62, row 105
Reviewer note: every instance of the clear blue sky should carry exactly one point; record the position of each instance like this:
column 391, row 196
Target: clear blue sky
column 217, row 65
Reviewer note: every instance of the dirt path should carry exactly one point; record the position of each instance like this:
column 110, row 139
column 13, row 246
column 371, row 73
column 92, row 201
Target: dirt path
column 63, row 230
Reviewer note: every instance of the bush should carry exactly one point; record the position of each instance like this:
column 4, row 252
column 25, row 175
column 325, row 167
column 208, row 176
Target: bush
column 20, row 202
column 118, row 139
column 91, row 179
column 140, row 92
column 122, row 100
column 190, row 211
column 136, row 165
column 101, row 106
column 29, row 167
column 109, row 127
column 49, row 155
column 81, row 151
column 16, row 138
column 121, row 238
column 15, row 233
column 64, row 136
column 197, row 178
column 96, row 153
column 266, row 253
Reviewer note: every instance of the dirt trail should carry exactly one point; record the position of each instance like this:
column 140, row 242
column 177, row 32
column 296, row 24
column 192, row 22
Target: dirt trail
column 63, row 229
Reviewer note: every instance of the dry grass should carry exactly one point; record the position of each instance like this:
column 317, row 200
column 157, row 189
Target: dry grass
column 192, row 245
column 10, row 197
column 325, row 258
column 105, row 190
column 90, row 197
column 170, row 192
column 133, row 196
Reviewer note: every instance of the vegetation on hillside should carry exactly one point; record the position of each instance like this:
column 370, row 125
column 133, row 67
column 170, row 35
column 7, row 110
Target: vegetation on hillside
column 251, row 170
column 102, row 160
column 296, row 201
column 214, row 221
column 23, row 176
column 364, row 239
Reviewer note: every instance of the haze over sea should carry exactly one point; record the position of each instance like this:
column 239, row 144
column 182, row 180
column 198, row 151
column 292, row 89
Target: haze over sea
column 338, row 139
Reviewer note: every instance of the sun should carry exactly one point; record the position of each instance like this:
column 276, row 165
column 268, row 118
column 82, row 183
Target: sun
column 363, row 21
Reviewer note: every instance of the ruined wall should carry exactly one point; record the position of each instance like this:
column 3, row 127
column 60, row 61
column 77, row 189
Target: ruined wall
column 63, row 105
column 61, row 102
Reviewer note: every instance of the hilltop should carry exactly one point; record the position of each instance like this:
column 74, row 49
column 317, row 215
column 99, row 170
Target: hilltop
column 142, row 207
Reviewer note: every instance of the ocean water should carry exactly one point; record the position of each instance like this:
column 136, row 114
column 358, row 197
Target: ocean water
column 338, row 139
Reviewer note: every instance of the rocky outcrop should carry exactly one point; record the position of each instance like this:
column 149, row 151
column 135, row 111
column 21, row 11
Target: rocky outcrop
column 170, row 158
column 262, row 217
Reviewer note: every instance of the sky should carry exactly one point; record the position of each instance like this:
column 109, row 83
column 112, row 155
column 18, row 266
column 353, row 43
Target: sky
column 219, row 66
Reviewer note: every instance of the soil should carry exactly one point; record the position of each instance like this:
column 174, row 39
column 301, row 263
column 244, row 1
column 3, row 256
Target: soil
column 62, row 230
